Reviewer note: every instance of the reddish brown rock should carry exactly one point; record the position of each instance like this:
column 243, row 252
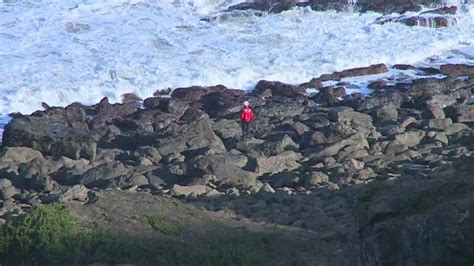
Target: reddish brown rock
column 329, row 95
column 457, row 70
column 354, row 72
column 279, row 89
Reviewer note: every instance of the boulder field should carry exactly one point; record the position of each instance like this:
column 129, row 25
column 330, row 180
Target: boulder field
column 383, row 179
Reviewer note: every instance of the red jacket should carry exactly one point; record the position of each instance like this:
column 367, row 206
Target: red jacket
column 246, row 115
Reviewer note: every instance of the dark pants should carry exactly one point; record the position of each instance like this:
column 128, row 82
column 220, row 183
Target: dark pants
column 245, row 129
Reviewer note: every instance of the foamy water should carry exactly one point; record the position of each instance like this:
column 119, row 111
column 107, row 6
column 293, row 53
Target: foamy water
column 64, row 51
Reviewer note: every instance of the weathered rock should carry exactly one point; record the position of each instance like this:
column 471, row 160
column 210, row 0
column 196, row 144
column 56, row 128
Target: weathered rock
column 106, row 112
column 464, row 113
column 317, row 120
column 267, row 188
column 74, row 115
column 150, row 153
column 279, row 89
column 286, row 160
column 42, row 182
column 178, row 138
column 431, row 86
column 185, row 191
column 431, row 21
column 273, row 6
column 285, row 179
column 226, row 129
column 226, row 102
column 131, row 98
column 175, row 107
column 377, row 85
column 457, row 70
column 152, row 102
column 237, row 158
column 8, row 192
column 357, row 141
column 329, row 95
column 19, row 155
column 316, row 179
column 50, row 137
column 455, row 128
column 224, row 168
column 5, row 183
column 386, row 113
column 191, row 94
column 362, row 71
column 301, row 128
column 410, row 138
column 193, row 114
column 233, row 192
column 382, row 6
column 76, row 192
column 280, row 110
column 104, row 174
column 270, row 148
column 440, row 124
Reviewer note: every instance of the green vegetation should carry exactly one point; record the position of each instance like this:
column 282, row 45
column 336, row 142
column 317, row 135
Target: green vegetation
column 160, row 224
column 40, row 234
column 49, row 235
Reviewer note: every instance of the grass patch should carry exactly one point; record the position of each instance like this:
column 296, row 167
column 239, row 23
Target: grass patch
column 160, row 224
column 49, row 235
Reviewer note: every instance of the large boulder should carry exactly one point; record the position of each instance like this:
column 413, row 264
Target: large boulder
column 226, row 129
column 74, row 115
column 104, row 175
column 457, row 70
column 287, row 160
column 226, row 102
column 279, row 111
column 19, row 155
column 354, row 72
column 428, row 87
column 185, row 191
column 279, row 89
column 225, row 169
column 104, row 112
column 178, row 138
column 50, row 137
column 464, row 113
column 356, row 141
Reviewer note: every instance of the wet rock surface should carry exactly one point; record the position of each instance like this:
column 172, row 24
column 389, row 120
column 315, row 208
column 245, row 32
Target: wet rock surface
column 357, row 172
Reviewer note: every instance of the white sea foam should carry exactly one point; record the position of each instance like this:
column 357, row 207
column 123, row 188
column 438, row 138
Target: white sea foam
column 65, row 51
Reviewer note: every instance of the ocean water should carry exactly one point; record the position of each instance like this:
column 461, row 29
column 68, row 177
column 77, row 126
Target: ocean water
column 62, row 51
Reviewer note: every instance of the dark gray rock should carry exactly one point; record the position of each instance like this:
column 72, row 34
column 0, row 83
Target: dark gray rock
column 104, row 175
column 226, row 171
column 178, row 138
column 50, row 137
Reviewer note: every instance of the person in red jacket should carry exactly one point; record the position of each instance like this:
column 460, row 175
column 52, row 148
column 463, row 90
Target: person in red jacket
column 246, row 117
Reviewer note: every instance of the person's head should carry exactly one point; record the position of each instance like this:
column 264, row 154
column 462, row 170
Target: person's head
column 246, row 103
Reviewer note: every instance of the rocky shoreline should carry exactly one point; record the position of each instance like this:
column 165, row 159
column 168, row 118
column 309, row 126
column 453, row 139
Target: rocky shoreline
column 359, row 171
column 407, row 12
